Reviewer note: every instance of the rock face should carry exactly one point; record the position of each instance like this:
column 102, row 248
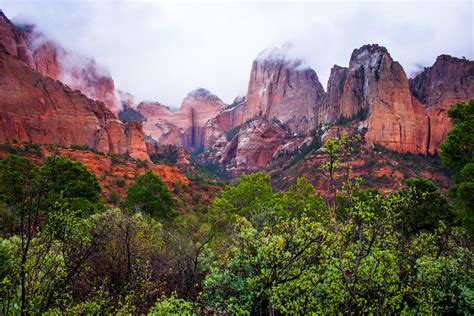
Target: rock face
column 41, row 110
column 197, row 108
column 285, row 89
column 376, row 89
column 448, row 81
column 48, row 58
column 230, row 118
column 184, row 127
column 282, row 92
column 158, row 123
column 13, row 41
column 252, row 147
column 335, row 89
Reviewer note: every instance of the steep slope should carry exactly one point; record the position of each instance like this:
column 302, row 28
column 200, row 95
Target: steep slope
column 448, row 81
column 38, row 109
column 283, row 101
column 251, row 148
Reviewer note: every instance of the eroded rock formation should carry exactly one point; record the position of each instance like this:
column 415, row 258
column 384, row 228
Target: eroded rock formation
column 184, row 127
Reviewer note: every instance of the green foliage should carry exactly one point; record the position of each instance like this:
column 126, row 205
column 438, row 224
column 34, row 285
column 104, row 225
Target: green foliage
column 114, row 198
column 17, row 177
column 457, row 154
column 266, row 265
column 235, row 130
column 249, row 195
column 169, row 155
column 255, row 251
column 23, row 149
column 361, row 115
column 302, row 151
column 171, row 306
column 72, row 183
column 458, row 150
column 150, row 195
column 119, row 182
column 426, row 209
column 86, row 148
column 5, row 261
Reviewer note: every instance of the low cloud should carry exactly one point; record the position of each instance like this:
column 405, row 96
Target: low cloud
column 161, row 51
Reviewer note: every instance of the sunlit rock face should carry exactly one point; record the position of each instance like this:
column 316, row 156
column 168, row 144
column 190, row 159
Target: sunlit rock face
column 374, row 88
column 448, row 81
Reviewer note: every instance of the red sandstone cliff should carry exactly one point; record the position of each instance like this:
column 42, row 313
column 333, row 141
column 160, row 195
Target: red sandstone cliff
column 285, row 89
column 448, row 81
column 251, row 148
column 50, row 59
column 280, row 88
column 41, row 110
column 376, row 89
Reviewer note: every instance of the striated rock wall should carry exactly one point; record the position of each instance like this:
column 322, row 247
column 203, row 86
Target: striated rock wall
column 331, row 110
column 448, row 81
column 251, row 148
column 282, row 90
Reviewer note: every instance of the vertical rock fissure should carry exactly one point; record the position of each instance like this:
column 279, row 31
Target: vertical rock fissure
column 429, row 136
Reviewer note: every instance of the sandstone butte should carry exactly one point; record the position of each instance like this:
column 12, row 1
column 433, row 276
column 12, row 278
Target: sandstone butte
column 373, row 92
column 50, row 59
column 284, row 99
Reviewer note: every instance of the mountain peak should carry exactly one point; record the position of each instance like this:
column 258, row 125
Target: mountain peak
column 202, row 93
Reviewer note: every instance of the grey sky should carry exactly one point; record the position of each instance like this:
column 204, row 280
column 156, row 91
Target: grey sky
column 162, row 50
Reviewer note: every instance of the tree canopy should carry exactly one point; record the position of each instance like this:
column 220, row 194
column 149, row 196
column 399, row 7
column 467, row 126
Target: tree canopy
column 150, row 195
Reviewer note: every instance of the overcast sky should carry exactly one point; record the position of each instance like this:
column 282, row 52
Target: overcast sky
column 162, row 50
